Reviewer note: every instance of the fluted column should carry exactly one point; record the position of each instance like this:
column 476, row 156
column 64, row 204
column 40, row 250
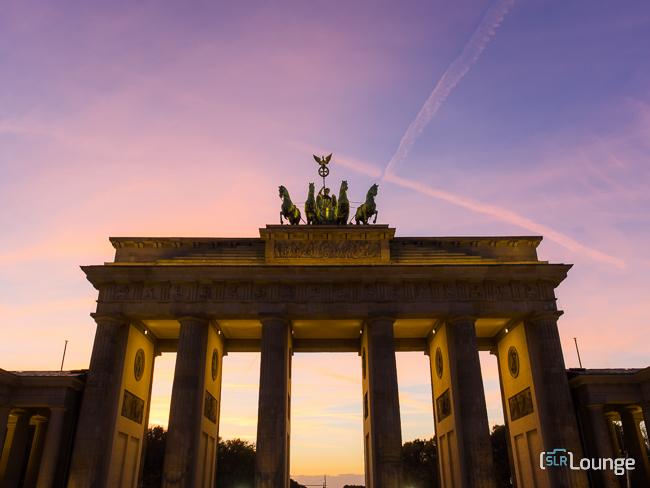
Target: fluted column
column 645, row 411
column 14, row 451
column 635, row 448
column 613, row 436
column 506, row 418
column 558, row 420
column 470, row 407
column 185, row 411
column 273, row 418
column 4, row 418
column 35, row 453
column 600, row 447
column 383, row 423
column 89, row 466
column 50, row 457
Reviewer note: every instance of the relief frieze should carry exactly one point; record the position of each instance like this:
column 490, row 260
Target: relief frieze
column 132, row 407
column 368, row 291
column 232, row 292
column 261, row 292
column 335, row 292
column 286, row 292
column 177, row 292
column 341, row 292
column 501, row 291
column 149, row 293
column 530, row 290
column 422, row 291
column 449, row 290
column 477, row 291
column 327, row 250
column 123, row 292
column 314, row 292
column 521, row 404
column 205, row 292
column 443, row 406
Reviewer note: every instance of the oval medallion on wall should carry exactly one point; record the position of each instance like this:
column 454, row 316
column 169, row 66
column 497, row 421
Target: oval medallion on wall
column 439, row 363
column 513, row 362
column 215, row 364
column 138, row 365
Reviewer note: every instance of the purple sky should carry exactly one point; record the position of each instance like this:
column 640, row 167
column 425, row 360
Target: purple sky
column 181, row 119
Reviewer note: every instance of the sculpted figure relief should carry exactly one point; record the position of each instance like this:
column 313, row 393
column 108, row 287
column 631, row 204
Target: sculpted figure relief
column 328, row 249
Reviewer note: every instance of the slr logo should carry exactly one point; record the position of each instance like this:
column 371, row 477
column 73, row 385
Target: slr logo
column 560, row 457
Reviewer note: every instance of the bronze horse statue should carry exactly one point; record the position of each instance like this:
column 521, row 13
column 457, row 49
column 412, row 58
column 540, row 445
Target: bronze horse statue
column 288, row 210
column 343, row 208
column 368, row 209
column 310, row 206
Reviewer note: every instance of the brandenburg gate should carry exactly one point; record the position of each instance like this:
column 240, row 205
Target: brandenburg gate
column 326, row 288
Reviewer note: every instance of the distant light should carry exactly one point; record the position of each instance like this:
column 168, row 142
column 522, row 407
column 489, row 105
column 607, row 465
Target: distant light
column 506, row 331
column 145, row 332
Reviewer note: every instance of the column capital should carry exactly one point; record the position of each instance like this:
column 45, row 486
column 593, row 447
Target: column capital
column 627, row 409
column 380, row 318
column 192, row 318
column 274, row 318
column 19, row 412
column 538, row 317
column 454, row 319
column 108, row 318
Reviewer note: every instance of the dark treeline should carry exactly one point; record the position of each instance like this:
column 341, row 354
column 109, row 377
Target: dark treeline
column 236, row 462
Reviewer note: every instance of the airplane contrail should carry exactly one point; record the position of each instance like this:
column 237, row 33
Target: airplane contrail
column 507, row 216
column 452, row 76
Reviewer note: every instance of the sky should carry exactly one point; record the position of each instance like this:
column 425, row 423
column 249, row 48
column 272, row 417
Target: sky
column 475, row 117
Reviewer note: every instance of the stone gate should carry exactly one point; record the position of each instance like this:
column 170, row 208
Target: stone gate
column 326, row 289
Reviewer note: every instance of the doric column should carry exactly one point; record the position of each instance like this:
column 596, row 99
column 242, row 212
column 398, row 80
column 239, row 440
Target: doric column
column 610, row 418
column 186, row 408
column 4, row 418
column 35, row 453
column 273, row 418
column 635, row 447
column 557, row 416
column 146, row 419
column 469, row 403
column 14, row 450
column 50, row 457
column 91, row 455
column 645, row 411
column 600, row 446
column 511, row 460
column 382, row 425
